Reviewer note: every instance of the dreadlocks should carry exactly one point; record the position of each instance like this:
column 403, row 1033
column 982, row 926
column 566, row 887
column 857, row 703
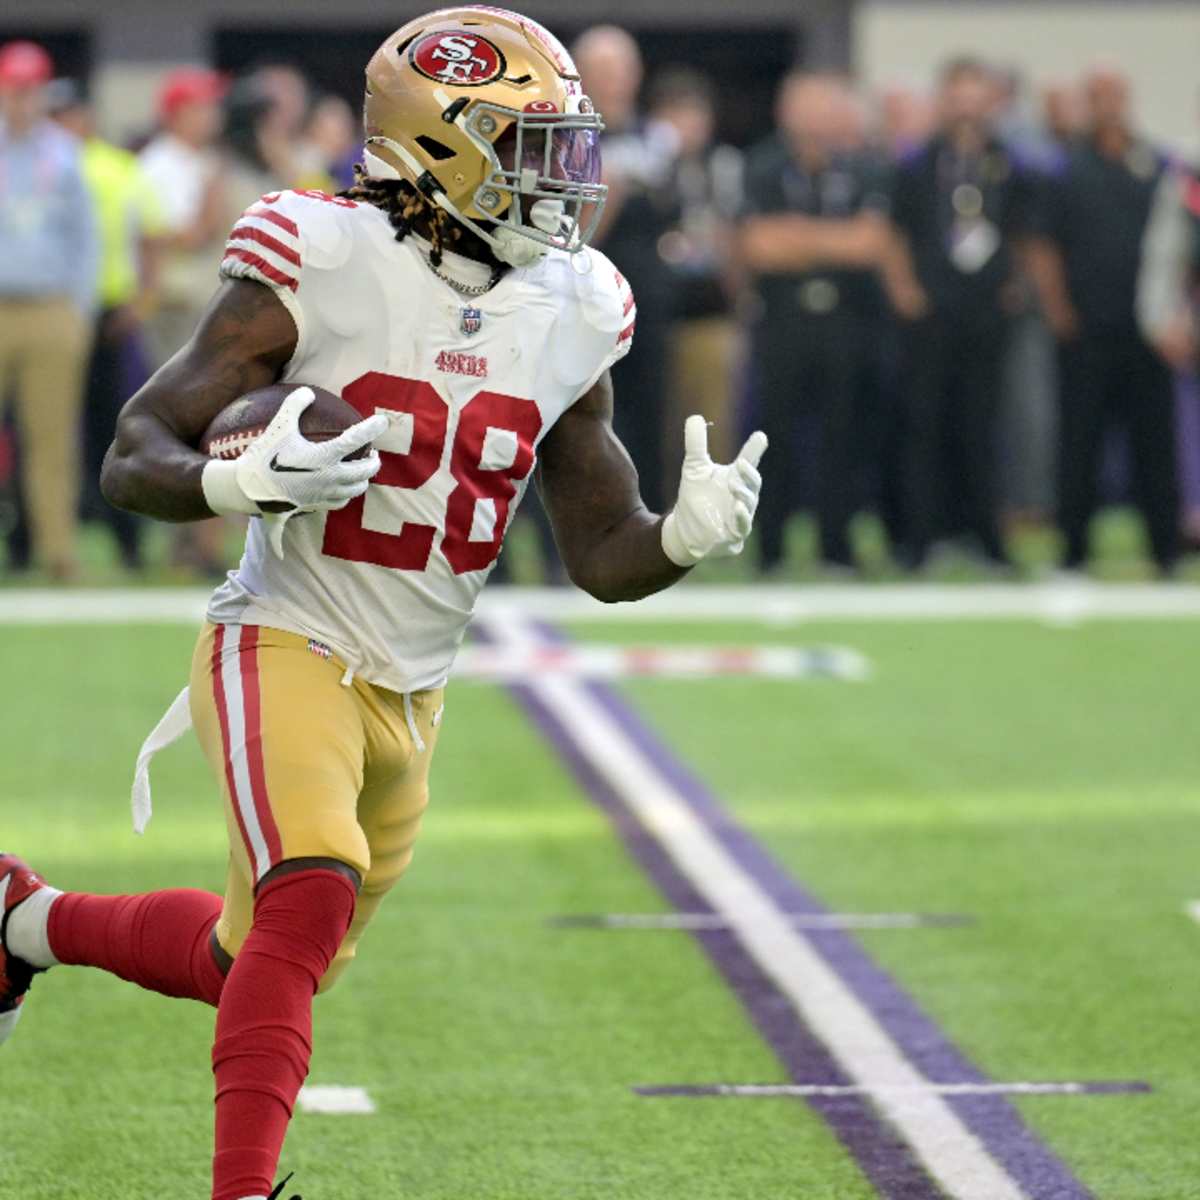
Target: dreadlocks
column 404, row 205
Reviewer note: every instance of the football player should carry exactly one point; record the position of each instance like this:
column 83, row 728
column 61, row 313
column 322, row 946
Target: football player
column 451, row 298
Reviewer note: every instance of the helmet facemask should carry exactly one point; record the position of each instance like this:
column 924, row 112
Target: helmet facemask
column 543, row 177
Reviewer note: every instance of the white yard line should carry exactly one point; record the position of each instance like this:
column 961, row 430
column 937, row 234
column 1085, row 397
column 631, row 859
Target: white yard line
column 768, row 604
column 1192, row 908
column 335, row 1099
column 950, row 1151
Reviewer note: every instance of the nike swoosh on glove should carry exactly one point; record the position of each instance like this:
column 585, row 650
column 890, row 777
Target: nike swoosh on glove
column 281, row 466
column 716, row 505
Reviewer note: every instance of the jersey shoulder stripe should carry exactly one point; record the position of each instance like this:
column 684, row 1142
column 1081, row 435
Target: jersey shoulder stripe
column 628, row 314
column 239, row 263
column 283, row 235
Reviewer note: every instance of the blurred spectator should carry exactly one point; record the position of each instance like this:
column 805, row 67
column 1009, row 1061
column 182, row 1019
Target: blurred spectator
column 1170, row 270
column 283, row 139
column 812, row 236
column 1028, row 417
column 1168, row 306
column 48, row 259
column 960, row 204
column 1062, row 113
column 642, row 207
column 130, row 226
column 1099, row 210
column 336, row 134
column 246, row 169
column 906, row 120
column 185, row 169
column 708, row 180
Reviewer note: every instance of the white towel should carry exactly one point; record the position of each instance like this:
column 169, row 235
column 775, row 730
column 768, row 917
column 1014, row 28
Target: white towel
column 176, row 721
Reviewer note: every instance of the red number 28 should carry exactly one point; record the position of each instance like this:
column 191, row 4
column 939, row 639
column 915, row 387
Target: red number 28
column 409, row 550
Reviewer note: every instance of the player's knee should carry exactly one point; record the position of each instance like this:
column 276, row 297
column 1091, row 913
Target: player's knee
column 304, row 912
column 294, row 866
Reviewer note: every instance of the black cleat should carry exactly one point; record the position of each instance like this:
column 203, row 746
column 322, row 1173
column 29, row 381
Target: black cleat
column 277, row 1194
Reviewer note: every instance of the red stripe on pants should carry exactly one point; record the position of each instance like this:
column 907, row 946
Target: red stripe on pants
column 226, row 749
column 252, row 712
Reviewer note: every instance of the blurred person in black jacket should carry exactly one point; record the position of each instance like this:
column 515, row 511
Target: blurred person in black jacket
column 812, row 235
column 961, row 205
column 708, row 184
column 1087, row 269
column 639, row 159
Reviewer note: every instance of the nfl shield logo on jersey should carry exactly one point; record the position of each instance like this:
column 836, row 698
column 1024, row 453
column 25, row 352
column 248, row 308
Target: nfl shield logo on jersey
column 472, row 320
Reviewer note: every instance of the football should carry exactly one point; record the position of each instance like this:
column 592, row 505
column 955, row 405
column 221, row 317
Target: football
column 238, row 424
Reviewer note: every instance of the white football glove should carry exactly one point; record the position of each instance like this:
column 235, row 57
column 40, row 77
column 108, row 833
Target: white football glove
column 716, row 504
column 282, row 466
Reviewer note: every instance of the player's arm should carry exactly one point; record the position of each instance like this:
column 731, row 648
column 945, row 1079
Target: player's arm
column 243, row 342
column 613, row 547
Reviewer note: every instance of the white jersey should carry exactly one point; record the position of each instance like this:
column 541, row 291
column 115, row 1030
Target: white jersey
column 474, row 383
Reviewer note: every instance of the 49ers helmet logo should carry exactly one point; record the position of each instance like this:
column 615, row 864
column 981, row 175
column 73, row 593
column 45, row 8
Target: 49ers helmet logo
column 462, row 59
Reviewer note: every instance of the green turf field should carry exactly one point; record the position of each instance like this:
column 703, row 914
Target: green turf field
column 1043, row 782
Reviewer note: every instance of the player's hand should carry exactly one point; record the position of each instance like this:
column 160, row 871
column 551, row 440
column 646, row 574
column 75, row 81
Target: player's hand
column 282, row 467
column 716, row 505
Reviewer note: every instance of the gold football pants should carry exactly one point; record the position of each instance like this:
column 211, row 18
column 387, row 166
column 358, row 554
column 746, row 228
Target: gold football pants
column 309, row 767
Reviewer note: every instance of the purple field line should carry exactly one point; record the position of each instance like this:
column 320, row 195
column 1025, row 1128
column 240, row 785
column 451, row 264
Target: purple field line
column 883, row 1157
column 993, row 1119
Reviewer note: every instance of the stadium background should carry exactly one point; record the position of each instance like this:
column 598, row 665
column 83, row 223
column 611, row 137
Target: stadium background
column 993, row 786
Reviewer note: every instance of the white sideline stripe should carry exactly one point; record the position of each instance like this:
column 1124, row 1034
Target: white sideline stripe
column 872, row 1089
column 333, row 1098
column 1192, row 908
column 600, row 661
column 769, row 604
column 703, row 921
column 950, row 1151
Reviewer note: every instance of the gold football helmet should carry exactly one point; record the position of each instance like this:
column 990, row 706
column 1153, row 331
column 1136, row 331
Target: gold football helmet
column 482, row 111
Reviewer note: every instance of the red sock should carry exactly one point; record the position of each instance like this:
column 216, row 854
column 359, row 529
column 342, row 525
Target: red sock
column 264, row 1023
column 159, row 940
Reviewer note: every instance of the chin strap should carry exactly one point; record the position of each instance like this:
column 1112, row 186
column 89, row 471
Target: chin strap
column 517, row 250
